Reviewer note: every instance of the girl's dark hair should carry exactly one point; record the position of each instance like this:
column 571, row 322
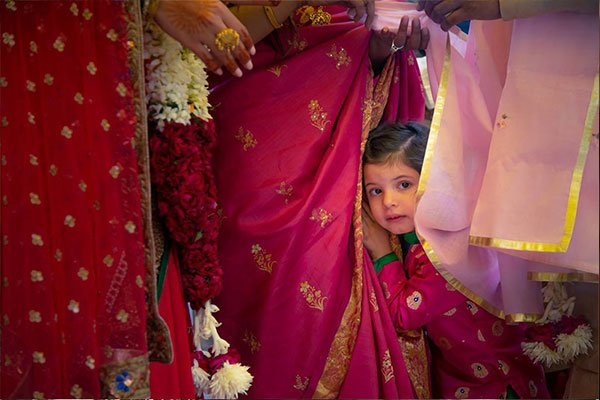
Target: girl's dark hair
column 397, row 142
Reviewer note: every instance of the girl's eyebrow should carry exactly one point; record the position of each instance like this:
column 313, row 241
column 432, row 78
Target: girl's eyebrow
column 403, row 177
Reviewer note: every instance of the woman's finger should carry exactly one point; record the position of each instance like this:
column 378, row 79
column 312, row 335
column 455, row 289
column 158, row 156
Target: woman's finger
column 231, row 21
column 370, row 13
column 414, row 41
column 454, row 18
column 400, row 39
column 439, row 11
column 359, row 7
column 424, row 38
column 204, row 53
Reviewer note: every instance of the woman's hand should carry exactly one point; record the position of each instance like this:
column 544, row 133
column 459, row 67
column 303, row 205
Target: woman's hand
column 380, row 45
column 196, row 24
column 375, row 238
column 357, row 9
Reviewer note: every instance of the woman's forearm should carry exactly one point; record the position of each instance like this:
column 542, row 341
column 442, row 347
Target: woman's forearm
column 256, row 21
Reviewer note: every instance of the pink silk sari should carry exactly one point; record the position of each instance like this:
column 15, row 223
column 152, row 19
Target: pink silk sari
column 298, row 301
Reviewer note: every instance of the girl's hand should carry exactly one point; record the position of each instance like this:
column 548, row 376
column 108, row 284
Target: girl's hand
column 196, row 24
column 380, row 45
column 375, row 238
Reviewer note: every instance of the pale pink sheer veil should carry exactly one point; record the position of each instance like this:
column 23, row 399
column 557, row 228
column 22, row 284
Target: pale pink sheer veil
column 508, row 148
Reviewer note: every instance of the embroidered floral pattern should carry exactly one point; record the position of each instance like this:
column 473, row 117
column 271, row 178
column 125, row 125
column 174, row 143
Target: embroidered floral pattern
column 313, row 297
column 285, row 190
column 246, row 139
column 76, row 390
column 296, row 43
column 479, row 370
column 35, row 316
column 373, row 300
column 387, row 369
column 472, row 307
column 318, row 117
column 503, row 367
column 497, row 328
column 36, row 276
column 322, row 216
column 462, row 393
column 123, row 382
column 252, row 342
column 277, row 69
column 38, row 357
column 263, row 260
column 340, row 57
column 34, row 199
column 450, row 312
column 502, row 121
column 414, row 300
column 301, row 383
column 480, row 336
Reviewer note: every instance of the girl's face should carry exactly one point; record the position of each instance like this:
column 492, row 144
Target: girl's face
column 392, row 194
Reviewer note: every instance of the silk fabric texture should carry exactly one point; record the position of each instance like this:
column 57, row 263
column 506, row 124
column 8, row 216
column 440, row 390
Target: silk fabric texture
column 297, row 301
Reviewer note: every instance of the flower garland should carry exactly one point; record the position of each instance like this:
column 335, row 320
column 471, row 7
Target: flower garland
column 558, row 337
column 181, row 143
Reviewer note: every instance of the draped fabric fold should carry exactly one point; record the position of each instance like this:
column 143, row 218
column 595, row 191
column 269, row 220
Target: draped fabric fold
column 296, row 298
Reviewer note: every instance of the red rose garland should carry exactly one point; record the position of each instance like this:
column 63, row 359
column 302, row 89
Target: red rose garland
column 181, row 168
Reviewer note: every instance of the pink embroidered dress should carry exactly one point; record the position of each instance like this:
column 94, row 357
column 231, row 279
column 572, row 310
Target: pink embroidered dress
column 473, row 353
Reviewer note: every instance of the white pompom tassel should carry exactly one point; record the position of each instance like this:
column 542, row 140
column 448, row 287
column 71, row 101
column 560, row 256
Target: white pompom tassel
column 201, row 379
column 205, row 331
column 539, row 352
column 230, row 381
column 577, row 343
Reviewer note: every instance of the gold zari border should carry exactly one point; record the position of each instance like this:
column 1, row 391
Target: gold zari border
column 563, row 277
column 574, row 190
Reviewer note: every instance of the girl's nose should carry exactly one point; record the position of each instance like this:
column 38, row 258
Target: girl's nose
column 389, row 199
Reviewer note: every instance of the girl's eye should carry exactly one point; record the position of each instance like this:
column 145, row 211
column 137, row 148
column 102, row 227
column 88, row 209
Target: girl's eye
column 375, row 192
column 404, row 185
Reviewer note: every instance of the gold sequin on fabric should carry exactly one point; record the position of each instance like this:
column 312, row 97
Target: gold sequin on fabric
column 313, row 297
column 73, row 306
column 38, row 357
column 34, row 199
column 36, row 276
column 8, row 39
column 413, row 301
column 90, row 362
column 36, row 239
column 35, row 316
column 503, row 367
column 247, row 139
column 108, row 260
column 59, row 44
column 66, row 132
column 301, row 383
column 318, row 117
column 263, row 260
column 285, row 190
column 479, row 370
column 462, row 393
column 252, row 342
column 69, row 221
column 83, row 274
column 76, row 391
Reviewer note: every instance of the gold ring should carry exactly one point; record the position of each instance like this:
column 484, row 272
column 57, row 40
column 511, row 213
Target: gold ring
column 227, row 39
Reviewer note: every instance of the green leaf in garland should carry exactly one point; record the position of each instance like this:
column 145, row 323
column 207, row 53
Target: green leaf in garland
column 198, row 236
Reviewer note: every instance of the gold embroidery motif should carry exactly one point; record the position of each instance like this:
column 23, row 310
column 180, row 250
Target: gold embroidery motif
column 58, row 255
column 115, row 170
column 318, row 117
column 90, row 362
column 91, row 67
column 8, row 39
column 97, row 205
column 70, row 221
column 480, row 336
column 122, row 316
column 373, row 300
column 38, row 395
column 472, row 307
column 387, row 369
column 35, row 316
column 277, row 69
column 121, row 89
column 411, row 60
column 4, row 122
column 108, row 260
column 316, row 16
column 53, row 170
column 59, row 44
column 263, row 259
column 105, row 125
column 139, row 281
column 87, row 14
column 67, row 132
column 10, row 4
column 30, row 118
column 342, row 58
column 497, row 328
column 36, row 276
column 78, row 98
column 501, row 124
column 83, row 274
column 479, row 370
column 38, row 357
column 74, row 10
column 252, row 342
column 37, row 240
column 30, row 85
column 313, row 297
column 462, row 393
column 321, row 216
column 112, row 35
column 34, row 198
column 33, row 160
column 130, row 227
column 386, row 291
column 450, row 312
column 48, row 79
column 301, row 383
column 296, row 43
column 3, row 82
column 76, row 390
column 285, row 190
column 73, row 306
column 533, row 389
column 414, row 300
column 247, row 139
column 503, row 367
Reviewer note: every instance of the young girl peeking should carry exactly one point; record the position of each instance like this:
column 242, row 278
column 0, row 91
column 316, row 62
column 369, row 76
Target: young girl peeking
column 473, row 353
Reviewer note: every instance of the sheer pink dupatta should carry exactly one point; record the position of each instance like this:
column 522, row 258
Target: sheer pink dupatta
column 297, row 297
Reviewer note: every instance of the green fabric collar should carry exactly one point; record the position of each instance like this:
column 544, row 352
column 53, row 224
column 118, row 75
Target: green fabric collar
column 410, row 237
